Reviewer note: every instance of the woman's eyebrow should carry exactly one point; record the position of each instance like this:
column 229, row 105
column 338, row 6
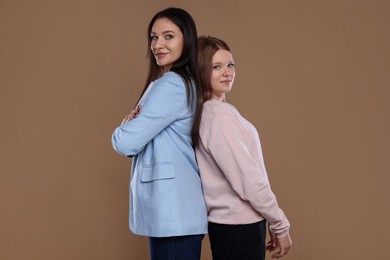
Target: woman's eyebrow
column 164, row 32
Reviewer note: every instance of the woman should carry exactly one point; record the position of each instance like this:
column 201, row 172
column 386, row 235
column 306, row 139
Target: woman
column 166, row 198
column 234, row 178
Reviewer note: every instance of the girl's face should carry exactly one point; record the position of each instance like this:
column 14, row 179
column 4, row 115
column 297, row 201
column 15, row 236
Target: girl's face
column 223, row 73
column 166, row 42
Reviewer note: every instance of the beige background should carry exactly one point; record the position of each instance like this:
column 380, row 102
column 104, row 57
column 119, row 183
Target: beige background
column 313, row 76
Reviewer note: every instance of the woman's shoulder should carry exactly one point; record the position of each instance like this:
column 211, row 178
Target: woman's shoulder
column 170, row 82
column 170, row 76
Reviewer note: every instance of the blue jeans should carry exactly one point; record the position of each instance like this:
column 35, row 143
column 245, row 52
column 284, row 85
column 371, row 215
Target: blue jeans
column 176, row 248
column 238, row 242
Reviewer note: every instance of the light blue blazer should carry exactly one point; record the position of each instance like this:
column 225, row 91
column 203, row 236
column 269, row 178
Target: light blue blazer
column 166, row 197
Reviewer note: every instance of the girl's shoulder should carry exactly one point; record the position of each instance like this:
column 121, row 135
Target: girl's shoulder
column 216, row 107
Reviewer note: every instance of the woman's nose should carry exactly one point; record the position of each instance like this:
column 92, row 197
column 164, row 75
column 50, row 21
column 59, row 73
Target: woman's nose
column 158, row 43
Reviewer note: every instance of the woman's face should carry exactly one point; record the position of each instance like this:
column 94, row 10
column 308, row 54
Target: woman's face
column 223, row 73
column 167, row 42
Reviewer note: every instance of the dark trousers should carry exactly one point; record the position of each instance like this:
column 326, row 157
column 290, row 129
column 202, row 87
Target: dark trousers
column 176, row 248
column 238, row 242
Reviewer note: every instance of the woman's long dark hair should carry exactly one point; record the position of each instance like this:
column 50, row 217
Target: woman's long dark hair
column 207, row 47
column 185, row 66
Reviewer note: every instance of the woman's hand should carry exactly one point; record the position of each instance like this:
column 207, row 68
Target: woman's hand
column 283, row 243
column 133, row 114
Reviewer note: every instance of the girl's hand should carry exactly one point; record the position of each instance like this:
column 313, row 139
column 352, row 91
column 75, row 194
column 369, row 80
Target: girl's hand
column 283, row 243
column 133, row 114
column 273, row 243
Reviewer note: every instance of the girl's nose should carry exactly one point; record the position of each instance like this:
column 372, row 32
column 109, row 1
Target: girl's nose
column 227, row 72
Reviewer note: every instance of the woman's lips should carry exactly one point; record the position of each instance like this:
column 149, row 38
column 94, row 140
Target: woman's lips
column 160, row 55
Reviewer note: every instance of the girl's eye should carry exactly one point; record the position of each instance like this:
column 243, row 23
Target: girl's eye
column 153, row 37
column 168, row 37
column 216, row 67
column 231, row 65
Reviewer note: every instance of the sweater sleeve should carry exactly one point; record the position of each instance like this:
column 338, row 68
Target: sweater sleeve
column 164, row 104
column 228, row 143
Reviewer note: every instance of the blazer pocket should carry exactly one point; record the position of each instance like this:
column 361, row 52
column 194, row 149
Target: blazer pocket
column 157, row 171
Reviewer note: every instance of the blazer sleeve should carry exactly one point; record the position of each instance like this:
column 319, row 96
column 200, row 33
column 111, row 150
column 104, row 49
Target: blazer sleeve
column 227, row 142
column 165, row 103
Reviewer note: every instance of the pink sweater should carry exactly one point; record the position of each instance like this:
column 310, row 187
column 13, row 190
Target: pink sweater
column 234, row 178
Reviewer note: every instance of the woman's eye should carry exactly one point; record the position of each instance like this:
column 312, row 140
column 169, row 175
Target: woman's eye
column 216, row 67
column 167, row 37
column 231, row 65
column 153, row 37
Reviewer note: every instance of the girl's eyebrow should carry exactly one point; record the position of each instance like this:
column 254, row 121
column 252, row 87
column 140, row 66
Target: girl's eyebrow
column 222, row 62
